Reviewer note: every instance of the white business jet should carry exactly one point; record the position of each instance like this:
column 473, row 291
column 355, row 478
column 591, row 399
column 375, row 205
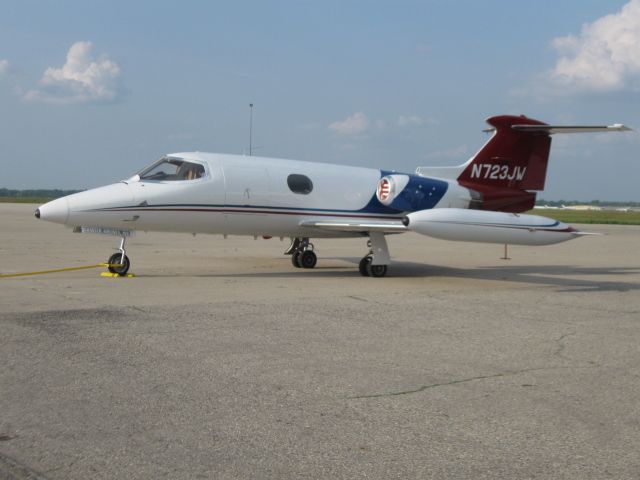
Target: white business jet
column 478, row 201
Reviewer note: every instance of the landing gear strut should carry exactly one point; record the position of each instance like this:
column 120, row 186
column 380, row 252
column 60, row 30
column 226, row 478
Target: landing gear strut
column 374, row 264
column 302, row 254
column 119, row 262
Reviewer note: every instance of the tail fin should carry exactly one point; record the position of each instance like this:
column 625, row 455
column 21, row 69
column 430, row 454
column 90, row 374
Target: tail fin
column 512, row 158
column 512, row 165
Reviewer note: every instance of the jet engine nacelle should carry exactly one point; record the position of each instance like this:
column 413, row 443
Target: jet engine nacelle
column 406, row 192
column 489, row 227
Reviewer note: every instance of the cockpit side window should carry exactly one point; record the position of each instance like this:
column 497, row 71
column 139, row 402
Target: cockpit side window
column 190, row 171
column 172, row 169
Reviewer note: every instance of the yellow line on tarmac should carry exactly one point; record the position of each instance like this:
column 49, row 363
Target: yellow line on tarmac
column 42, row 272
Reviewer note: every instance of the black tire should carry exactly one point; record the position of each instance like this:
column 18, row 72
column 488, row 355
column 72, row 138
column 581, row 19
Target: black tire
column 295, row 259
column 116, row 259
column 377, row 270
column 363, row 266
column 308, row 259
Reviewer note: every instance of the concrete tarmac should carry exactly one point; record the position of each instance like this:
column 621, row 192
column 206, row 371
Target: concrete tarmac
column 221, row 360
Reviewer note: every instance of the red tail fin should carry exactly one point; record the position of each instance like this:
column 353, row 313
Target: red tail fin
column 512, row 162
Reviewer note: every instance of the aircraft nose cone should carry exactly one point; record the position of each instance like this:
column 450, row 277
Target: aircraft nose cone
column 55, row 211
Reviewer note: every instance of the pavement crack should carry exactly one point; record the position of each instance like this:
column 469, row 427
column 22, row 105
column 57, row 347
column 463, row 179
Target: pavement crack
column 425, row 387
column 456, row 382
column 561, row 345
column 360, row 299
column 138, row 309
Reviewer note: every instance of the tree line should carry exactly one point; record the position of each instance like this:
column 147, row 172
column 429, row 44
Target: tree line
column 38, row 193
column 595, row 203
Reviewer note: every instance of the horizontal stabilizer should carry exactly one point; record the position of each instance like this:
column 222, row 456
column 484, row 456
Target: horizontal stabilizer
column 550, row 129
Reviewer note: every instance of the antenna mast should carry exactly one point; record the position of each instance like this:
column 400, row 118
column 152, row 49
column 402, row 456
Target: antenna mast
column 250, row 128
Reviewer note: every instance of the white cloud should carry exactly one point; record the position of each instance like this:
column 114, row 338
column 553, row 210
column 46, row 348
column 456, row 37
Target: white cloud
column 4, row 66
column 81, row 79
column 606, row 54
column 410, row 121
column 351, row 126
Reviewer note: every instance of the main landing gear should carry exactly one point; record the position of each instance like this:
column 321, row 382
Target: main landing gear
column 119, row 262
column 368, row 270
column 374, row 264
column 302, row 254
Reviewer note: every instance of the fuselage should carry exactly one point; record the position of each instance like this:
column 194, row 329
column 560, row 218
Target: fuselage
column 243, row 195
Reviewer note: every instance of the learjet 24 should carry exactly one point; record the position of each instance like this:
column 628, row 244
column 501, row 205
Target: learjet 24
column 479, row 201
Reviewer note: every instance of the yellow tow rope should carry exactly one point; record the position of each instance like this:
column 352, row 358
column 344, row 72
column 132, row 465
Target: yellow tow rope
column 42, row 272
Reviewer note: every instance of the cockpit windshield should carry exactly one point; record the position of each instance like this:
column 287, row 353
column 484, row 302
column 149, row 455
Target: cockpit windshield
column 169, row 169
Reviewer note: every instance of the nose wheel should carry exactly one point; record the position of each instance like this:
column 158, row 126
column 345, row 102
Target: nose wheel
column 119, row 262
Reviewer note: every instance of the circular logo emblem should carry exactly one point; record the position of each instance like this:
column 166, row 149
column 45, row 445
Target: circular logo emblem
column 384, row 189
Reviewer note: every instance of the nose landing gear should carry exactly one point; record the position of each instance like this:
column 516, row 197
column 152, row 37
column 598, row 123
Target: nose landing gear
column 119, row 262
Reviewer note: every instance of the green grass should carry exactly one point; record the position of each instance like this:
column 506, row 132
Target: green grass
column 591, row 216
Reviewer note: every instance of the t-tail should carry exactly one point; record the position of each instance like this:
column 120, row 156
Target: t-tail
column 512, row 166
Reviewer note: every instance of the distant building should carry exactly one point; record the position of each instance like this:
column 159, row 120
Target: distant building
column 581, row 207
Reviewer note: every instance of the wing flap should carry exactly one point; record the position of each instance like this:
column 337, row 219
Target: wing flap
column 384, row 226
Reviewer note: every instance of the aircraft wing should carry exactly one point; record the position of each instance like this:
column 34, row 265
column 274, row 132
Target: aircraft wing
column 383, row 226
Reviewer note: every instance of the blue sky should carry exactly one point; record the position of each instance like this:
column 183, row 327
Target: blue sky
column 91, row 91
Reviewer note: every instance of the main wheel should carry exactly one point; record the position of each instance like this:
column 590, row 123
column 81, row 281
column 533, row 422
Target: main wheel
column 377, row 270
column 362, row 266
column 121, row 261
column 295, row 259
column 308, row 259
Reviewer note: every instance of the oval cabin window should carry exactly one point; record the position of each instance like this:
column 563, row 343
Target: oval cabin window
column 300, row 183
